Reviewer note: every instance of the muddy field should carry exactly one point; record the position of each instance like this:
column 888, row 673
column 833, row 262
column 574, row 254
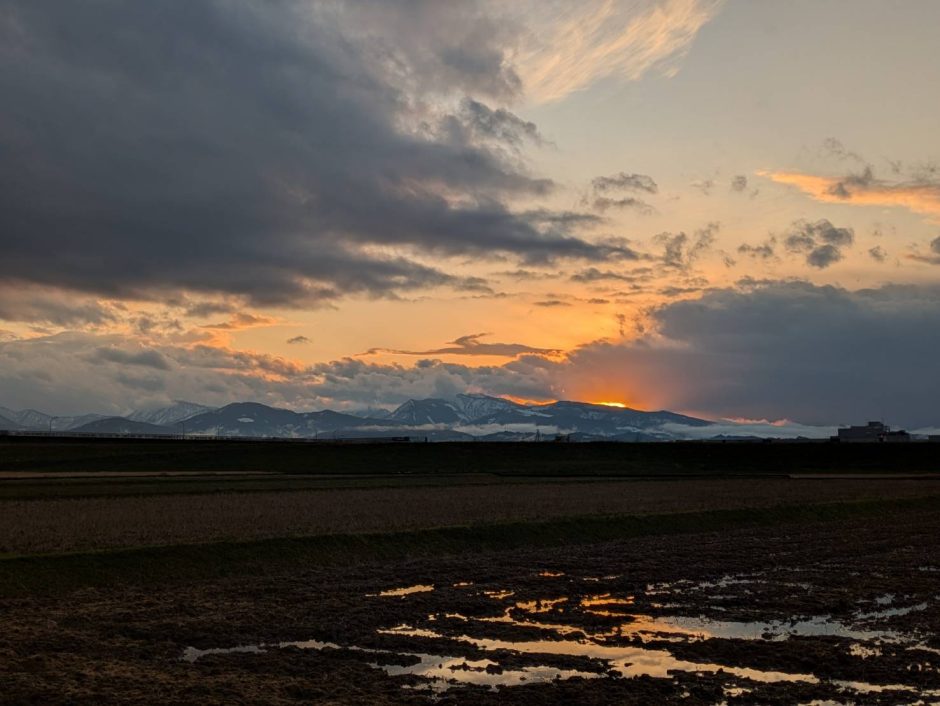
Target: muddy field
column 828, row 613
column 82, row 524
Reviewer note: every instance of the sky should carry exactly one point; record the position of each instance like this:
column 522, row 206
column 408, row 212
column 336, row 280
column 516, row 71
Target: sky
column 723, row 208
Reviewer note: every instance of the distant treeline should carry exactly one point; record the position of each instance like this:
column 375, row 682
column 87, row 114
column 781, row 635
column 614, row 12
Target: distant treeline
column 21, row 453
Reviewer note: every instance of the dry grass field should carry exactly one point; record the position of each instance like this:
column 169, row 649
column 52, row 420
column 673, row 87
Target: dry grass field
column 89, row 524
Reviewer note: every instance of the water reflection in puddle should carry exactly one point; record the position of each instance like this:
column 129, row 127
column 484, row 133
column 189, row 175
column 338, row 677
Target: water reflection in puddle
column 405, row 591
column 442, row 671
column 635, row 645
column 626, row 661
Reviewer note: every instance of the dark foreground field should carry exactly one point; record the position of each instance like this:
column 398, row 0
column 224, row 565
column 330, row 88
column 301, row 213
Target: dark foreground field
column 469, row 588
column 69, row 455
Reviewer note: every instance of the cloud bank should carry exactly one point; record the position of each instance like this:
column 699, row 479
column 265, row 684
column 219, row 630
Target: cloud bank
column 818, row 355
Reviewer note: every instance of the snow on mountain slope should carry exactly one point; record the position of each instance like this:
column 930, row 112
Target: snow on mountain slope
column 429, row 411
column 177, row 412
column 32, row 420
column 7, row 424
column 464, row 417
column 473, row 407
column 121, row 425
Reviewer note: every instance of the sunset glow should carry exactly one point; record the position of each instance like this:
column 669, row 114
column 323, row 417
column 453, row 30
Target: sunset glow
column 537, row 201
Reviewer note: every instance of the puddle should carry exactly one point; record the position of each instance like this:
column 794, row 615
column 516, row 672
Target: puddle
column 498, row 595
column 191, row 654
column 864, row 651
column 540, row 605
column 627, row 661
column 632, row 645
column 445, row 672
column 649, row 628
column 406, row 591
column 890, row 612
column 607, row 606
column 630, row 661
column 442, row 671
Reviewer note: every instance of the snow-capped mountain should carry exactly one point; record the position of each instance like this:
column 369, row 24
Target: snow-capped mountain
column 472, row 407
column 369, row 412
column 32, row 420
column 247, row 419
column 179, row 411
column 122, row 425
column 252, row 419
column 430, row 411
column 483, row 411
column 466, row 416
column 463, row 409
column 7, row 424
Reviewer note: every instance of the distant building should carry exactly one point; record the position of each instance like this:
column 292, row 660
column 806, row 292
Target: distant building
column 873, row 432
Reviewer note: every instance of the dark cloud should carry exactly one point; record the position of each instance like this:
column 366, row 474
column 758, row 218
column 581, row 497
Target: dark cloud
column 828, row 233
column 64, row 374
column 260, row 150
column 147, row 385
column 834, row 148
column 819, row 355
column 592, row 274
column 625, row 182
column 846, row 187
column 704, row 185
column 204, row 309
column 242, row 320
column 46, row 306
column 764, row 251
column 823, row 256
column 878, row 253
column 148, row 358
column 681, row 251
column 821, row 242
column 739, row 183
column 472, row 345
column 552, row 303
column 764, row 349
column 933, row 255
column 603, row 204
column 296, row 340
column 500, row 125
column 600, row 200
column 525, row 275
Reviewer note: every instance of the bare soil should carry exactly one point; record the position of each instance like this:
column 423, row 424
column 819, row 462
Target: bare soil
column 112, row 645
column 89, row 524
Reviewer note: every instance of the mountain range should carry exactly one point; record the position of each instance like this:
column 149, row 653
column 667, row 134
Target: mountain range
column 464, row 417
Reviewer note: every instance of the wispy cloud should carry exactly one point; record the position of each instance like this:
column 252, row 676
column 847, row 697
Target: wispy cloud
column 471, row 344
column 602, row 186
column 578, row 44
column 919, row 196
